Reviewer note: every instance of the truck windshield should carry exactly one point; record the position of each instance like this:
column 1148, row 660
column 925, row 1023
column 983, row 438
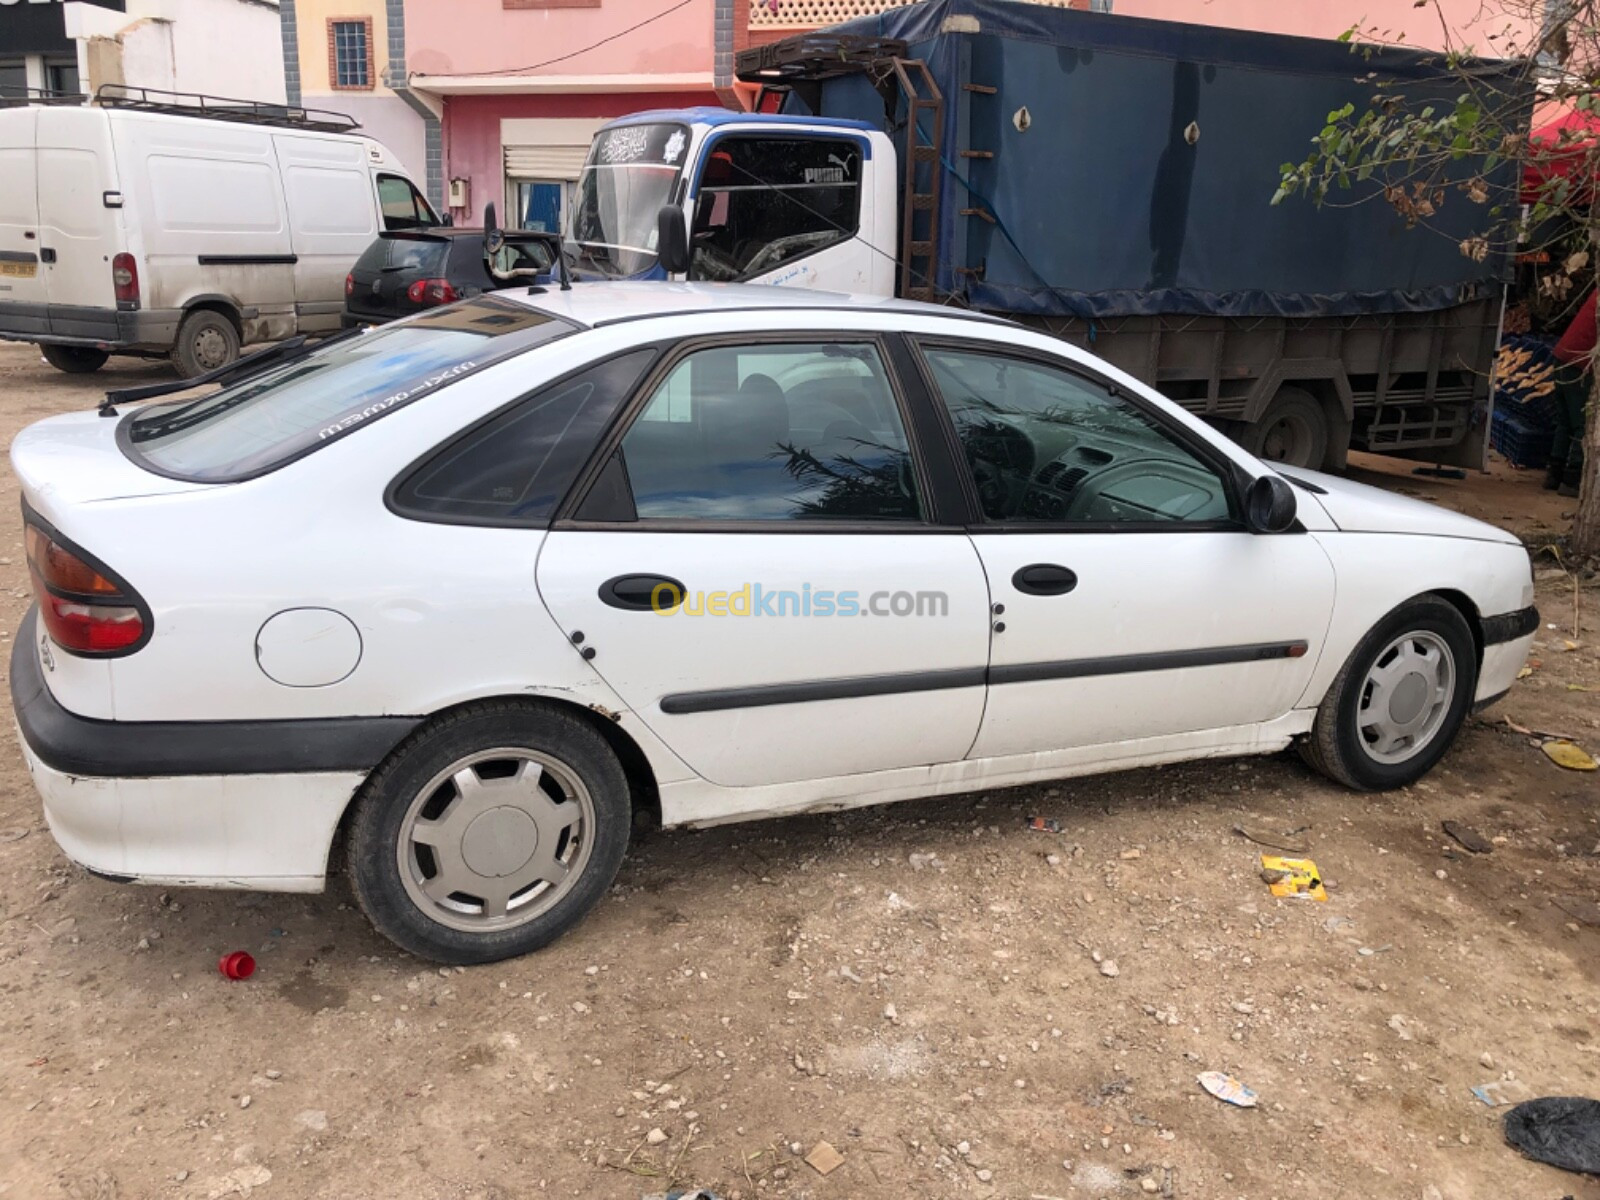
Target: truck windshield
column 267, row 420
column 631, row 172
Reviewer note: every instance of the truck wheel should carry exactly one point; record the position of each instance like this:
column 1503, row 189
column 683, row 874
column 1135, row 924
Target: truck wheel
column 74, row 360
column 1293, row 431
column 206, row 340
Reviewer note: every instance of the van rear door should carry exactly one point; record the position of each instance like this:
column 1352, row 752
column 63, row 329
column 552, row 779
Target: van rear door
column 333, row 217
column 22, row 295
column 79, row 233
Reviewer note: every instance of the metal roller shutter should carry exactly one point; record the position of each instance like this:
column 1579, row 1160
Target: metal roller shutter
column 545, row 162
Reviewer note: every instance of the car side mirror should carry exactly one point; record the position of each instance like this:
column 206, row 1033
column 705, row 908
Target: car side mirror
column 1269, row 505
column 672, row 240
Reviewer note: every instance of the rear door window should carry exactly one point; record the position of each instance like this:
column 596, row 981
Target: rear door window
column 265, row 421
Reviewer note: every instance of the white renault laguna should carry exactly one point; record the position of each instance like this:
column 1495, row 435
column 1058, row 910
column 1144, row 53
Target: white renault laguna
column 475, row 589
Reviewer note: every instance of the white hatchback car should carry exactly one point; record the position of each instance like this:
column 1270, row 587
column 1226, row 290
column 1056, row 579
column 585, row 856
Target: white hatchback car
column 477, row 588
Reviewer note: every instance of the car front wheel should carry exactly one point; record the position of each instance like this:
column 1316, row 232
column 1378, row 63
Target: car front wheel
column 1399, row 700
column 489, row 833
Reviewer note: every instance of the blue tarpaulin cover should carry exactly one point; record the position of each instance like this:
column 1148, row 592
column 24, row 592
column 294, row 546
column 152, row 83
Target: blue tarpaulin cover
column 1105, row 208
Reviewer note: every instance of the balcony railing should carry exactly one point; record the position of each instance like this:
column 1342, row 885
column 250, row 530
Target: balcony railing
column 813, row 14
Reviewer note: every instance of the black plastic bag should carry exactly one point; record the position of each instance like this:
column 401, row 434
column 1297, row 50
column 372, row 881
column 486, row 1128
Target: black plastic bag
column 1563, row 1131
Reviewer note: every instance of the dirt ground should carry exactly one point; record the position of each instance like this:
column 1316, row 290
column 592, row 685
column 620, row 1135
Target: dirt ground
column 917, row 985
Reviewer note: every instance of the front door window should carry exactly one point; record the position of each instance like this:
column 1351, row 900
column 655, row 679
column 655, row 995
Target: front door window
column 1047, row 445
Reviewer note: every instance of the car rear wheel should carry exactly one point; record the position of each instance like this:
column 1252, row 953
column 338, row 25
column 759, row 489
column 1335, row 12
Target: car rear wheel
column 1399, row 700
column 489, row 833
column 74, row 360
column 206, row 340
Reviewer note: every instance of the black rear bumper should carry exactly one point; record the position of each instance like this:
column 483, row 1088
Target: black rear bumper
column 82, row 325
column 78, row 745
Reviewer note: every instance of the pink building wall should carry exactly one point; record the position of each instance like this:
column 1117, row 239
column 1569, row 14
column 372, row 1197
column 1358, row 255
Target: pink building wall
column 451, row 43
column 472, row 147
column 453, row 37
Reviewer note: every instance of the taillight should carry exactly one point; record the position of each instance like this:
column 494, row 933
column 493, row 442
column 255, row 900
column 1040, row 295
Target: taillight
column 432, row 291
column 125, row 276
column 85, row 608
column 349, row 284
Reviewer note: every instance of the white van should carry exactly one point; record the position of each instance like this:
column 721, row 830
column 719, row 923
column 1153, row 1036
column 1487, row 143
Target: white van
column 150, row 226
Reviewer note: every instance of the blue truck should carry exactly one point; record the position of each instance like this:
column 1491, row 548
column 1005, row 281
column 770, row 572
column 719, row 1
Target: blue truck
column 1106, row 179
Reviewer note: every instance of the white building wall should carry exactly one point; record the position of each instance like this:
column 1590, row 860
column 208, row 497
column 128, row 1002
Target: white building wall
column 220, row 47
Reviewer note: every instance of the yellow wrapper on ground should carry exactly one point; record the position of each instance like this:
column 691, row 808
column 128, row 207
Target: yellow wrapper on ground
column 1569, row 755
column 1297, row 877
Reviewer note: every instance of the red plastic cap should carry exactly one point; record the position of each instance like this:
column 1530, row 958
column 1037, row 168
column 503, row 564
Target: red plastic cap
column 238, row 965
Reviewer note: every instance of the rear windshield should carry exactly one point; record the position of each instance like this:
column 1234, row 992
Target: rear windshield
column 270, row 419
column 425, row 256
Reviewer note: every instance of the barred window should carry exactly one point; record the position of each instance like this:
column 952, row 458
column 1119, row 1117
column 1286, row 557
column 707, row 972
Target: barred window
column 352, row 57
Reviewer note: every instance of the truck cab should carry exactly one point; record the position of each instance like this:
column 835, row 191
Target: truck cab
column 789, row 201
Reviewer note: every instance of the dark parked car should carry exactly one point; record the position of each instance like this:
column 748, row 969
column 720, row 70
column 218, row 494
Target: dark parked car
column 406, row 271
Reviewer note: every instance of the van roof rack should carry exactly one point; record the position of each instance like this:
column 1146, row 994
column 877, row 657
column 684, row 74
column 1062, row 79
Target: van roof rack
column 12, row 96
column 220, row 108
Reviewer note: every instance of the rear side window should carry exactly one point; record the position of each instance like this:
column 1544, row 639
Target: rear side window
column 514, row 468
column 270, row 419
column 422, row 256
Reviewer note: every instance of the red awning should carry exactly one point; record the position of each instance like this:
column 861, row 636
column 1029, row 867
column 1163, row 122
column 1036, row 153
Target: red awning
column 1565, row 148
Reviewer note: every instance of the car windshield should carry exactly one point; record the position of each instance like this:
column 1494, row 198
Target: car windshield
column 275, row 417
column 631, row 172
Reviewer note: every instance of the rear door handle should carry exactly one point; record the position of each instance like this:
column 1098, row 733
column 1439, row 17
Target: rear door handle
column 47, row 254
column 1044, row 579
column 642, row 593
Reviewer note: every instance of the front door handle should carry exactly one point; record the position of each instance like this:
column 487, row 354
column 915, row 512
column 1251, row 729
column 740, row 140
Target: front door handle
column 643, row 593
column 1044, row 579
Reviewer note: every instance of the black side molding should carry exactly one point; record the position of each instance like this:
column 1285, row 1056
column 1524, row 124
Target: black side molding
column 931, row 681
column 248, row 260
column 1129, row 664
column 1508, row 627
column 78, row 745
column 822, row 689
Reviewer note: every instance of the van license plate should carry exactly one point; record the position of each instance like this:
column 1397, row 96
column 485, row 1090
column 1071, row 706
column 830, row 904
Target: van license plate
column 19, row 270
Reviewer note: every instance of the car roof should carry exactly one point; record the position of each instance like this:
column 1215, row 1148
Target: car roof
column 594, row 304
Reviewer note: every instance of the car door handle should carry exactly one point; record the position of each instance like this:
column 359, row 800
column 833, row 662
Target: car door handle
column 47, row 254
column 1044, row 579
column 642, row 593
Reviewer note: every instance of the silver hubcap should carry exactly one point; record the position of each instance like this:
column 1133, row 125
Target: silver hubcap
column 1406, row 696
column 496, row 839
column 210, row 348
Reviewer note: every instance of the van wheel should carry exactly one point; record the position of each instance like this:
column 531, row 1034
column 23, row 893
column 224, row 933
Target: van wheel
column 74, row 360
column 206, row 340
column 489, row 833
column 1293, row 431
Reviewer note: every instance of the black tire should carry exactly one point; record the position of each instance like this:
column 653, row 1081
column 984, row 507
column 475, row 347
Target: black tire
column 1293, row 430
column 374, row 847
column 74, row 360
column 1336, row 746
column 206, row 340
